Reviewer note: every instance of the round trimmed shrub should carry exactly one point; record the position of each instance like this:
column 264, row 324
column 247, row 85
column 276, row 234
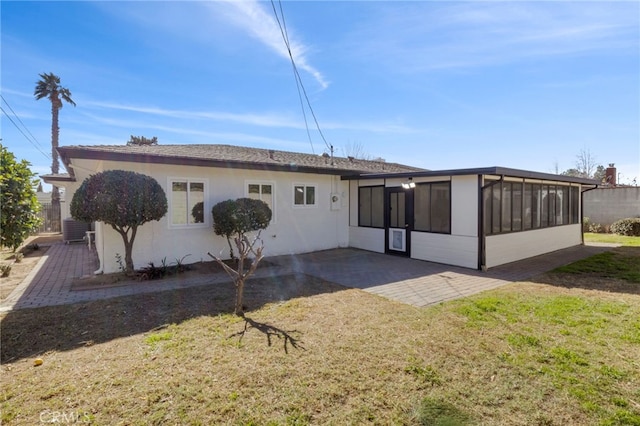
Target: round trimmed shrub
column 629, row 226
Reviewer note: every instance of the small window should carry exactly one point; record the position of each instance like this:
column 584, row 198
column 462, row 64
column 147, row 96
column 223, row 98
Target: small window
column 186, row 203
column 304, row 195
column 263, row 191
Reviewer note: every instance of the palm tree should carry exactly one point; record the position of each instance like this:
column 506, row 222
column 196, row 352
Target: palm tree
column 49, row 87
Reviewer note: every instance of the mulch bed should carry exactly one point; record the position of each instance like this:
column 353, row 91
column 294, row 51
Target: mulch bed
column 94, row 282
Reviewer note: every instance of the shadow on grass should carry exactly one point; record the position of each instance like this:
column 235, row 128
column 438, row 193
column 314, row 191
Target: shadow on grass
column 30, row 332
column 270, row 331
column 615, row 271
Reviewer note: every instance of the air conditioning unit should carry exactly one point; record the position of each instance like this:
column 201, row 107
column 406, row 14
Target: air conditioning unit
column 73, row 230
column 335, row 201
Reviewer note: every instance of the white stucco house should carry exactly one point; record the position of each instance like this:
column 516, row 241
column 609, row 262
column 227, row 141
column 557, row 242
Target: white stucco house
column 475, row 218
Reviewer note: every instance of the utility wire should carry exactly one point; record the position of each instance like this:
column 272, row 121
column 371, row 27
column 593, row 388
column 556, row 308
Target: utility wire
column 285, row 36
column 23, row 125
column 24, row 134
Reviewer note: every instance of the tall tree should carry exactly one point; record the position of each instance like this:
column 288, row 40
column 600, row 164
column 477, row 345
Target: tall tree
column 49, row 87
column 18, row 202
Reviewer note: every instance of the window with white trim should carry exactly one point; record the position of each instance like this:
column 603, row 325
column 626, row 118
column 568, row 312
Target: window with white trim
column 304, row 195
column 264, row 191
column 186, row 202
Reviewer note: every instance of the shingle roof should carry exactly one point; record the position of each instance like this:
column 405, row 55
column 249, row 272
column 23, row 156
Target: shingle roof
column 230, row 156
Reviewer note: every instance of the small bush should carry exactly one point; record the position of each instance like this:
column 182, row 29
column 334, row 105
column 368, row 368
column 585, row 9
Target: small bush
column 18, row 257
column 629, row 227
column 5, row 270
column 595, row 228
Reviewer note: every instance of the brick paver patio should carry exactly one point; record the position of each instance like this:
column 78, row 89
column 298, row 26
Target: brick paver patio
column 405, row 280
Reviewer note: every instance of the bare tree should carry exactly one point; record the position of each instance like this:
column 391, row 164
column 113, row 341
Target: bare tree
column 356, row 150
column 586, row 163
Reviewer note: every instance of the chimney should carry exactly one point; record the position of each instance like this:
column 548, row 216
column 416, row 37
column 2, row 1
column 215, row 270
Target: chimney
column 610, row 175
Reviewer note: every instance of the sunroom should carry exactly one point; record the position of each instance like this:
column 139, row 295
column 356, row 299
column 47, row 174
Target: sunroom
column 475, row 218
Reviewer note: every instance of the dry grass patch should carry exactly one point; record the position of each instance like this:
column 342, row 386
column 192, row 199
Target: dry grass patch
column 524, row 354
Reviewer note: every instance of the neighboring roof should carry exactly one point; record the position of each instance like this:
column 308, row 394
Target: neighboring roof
column 496, row 171
column 228, row 156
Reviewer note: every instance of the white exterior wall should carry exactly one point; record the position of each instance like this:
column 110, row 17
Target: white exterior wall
column 371, row 239
column 448, row 249
column 501, row 249
column 293, row 229
column 459, row 248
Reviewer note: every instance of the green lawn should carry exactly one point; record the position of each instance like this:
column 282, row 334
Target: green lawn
column 525, row 354
column 590, row 237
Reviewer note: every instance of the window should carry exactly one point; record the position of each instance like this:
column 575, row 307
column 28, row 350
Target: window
column 261, row 191
column 304, row 195
column 517, row 206
column 528, row 206
column 432, row 207
column 371, row 206
column 574, row 204
column 511, row 206
column 564, row 198
column 187, row 202
column 506, row 206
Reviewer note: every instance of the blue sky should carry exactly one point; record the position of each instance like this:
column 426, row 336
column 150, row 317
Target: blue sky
column 438, row 85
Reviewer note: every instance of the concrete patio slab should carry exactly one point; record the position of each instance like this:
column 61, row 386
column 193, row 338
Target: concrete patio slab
column 410, row 281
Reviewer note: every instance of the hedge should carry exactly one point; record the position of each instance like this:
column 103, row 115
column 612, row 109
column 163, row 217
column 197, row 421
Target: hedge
column 629, row 226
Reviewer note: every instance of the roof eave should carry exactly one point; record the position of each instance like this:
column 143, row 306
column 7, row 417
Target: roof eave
column 497, row 171
column 52, row 179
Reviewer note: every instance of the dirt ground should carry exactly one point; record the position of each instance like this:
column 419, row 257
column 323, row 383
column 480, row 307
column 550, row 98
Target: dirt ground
column 20, row 270
column 120, row 279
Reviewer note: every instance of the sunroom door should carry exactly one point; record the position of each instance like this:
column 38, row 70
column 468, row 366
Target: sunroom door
column 399, row 221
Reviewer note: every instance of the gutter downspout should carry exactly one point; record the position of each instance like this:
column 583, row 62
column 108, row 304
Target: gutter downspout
column 99, row 237
column 582, row 212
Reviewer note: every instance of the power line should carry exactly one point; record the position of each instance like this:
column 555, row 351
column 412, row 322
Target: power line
column 23, row 125
column 299, row 84
column 23, row 134
column 285, row 36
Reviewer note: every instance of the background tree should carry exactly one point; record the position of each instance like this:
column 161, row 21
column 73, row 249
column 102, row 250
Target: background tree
column 142, row 141
column 586, row 166
column 356, row 150
column 125, row 200
column 234, row 219
column 18, row 202
column 49, row 87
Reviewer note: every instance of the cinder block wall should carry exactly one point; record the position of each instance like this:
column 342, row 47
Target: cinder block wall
column 606, row 205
